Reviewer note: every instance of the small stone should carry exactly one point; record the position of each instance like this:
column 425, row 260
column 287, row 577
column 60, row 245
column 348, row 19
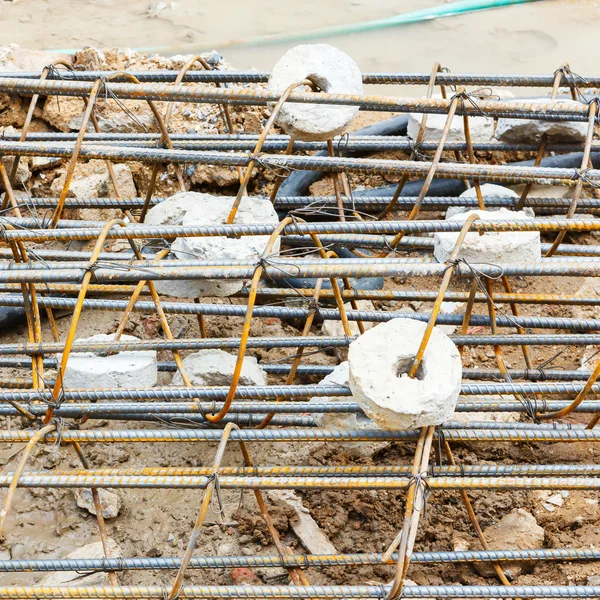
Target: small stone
column 215, row 367
column 244, row 576
column 379, row 362
column 593, row 580
column 41, row 163
column 590, row 288
column 111, row 502
column 518, row 530
column 488, row 190
column 530, row 131
column 334, row 72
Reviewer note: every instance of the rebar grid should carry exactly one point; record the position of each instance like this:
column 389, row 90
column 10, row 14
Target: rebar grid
column 383, row 242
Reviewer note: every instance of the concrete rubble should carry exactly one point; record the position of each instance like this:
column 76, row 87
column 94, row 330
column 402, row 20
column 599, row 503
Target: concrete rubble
column 518, row 530
column 215, row 367
column 530, row 131
column 128, row 369
column 193, row 208
column 480, row 128
column 111, row 502
column 334, row 72
column 488, row 190
column 76, row 578
column 379, row 362
column 492, row 247
column 336, row 421
column 307, row 530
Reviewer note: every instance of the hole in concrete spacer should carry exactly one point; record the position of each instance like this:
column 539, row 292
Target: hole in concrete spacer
column 321, row 82
column 403, row 367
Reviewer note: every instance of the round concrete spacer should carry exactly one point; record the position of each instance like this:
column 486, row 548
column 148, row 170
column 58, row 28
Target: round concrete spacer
column 379, row 362
column 130, row 369
column 334, row 72
column 193, row 208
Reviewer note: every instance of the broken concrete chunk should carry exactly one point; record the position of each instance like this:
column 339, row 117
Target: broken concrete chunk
column 480, row 128
column 336, row 421
column 496, row 248
column 334, row 72
column 488, row 190
column 111, row 502
column 313, row 538
column 192, row 208
column 336, row 329
column 379, row 362
column 129, row 369
column 529, row 131
column 215, row 367
column 76, row 578
column 590, row 288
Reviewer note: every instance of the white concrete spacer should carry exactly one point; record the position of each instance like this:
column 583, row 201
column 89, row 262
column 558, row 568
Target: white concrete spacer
column 130, row 369
column 488, row 190
column 530, row 131
column 334, row 72
column 498, row 248
column 379, row 362
column 215, row 367
column 193, row 208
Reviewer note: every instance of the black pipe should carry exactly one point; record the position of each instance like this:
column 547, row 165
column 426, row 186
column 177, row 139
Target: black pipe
column 298, row 182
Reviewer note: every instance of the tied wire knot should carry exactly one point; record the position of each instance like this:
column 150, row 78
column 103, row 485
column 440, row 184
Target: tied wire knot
column 575, row 78
column 475, row 271
column 283, row 172
column 469, row 97
column 220, row 507
column 59, row 429
column 421, row 484
column 583, row 174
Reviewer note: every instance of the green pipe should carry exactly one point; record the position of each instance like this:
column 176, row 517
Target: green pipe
column 417, row 16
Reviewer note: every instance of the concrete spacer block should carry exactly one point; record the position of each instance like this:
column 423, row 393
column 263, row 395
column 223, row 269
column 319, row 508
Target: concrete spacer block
column 193, row 208
column 215, row 367
column 379, row 361
column 497, row 248
column 530, row 131
column 88, row 370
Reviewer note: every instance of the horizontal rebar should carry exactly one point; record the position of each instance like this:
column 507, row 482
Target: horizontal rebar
column 297, row 592
column 362, row 227
column 304, row 435
column 525, row 109
column 442, row 78
column 284, row 312
column 286, row 560
column 230, row 482
column 511, row 174
column 29, row 348
column 97, row 409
